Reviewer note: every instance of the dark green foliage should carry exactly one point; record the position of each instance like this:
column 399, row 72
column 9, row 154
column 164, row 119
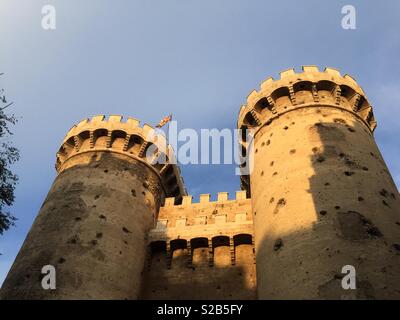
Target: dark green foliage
column 8, row 155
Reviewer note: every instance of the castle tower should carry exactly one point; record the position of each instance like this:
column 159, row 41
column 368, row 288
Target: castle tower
column 94, row 223
column 322, row 196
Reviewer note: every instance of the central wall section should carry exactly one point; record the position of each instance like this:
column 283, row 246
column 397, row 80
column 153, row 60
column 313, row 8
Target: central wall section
column 202, row 250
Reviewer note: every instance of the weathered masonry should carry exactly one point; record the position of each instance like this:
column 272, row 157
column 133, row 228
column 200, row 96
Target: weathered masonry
column 118, row 225
column 202, row 250
column 322, row 196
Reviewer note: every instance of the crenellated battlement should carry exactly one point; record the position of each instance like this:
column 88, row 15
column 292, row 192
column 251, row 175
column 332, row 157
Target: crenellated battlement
column 311, row 87
column 128, row 138
column 113, row 122
column 204, row 198
column 203, row 244
column 321, row 197
column 203, row 225
column 208, row 244
column 204, row 218
column 112, row 133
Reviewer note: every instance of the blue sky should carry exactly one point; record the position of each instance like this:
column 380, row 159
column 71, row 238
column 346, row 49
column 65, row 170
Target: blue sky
column 195, row 59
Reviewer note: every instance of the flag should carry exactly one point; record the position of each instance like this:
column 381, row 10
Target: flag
column 164, row 121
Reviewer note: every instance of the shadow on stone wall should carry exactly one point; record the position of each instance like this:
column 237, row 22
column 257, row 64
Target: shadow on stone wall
column 198, row 279
column 91, row 228
column 354, row 219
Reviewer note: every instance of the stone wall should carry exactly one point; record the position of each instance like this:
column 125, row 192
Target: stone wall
column 322, row 195
column 202, row 250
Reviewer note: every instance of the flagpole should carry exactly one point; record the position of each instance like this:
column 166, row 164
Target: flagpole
column 163, row 122
column 168, row 129
column 167, row 132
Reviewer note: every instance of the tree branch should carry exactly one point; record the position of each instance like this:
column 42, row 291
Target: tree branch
column 10, row 104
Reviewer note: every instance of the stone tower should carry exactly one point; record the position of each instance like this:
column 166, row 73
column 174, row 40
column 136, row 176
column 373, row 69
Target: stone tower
column 117, row 224
column 94, row 223
column 322, row 196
